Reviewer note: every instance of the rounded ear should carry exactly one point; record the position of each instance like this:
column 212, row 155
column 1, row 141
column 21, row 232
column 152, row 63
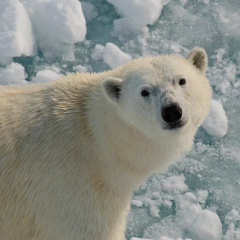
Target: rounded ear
column 198, row 57
column 111, row 88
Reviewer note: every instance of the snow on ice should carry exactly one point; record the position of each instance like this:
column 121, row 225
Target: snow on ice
column 44, row 76
column 136, row 14
column 13, row 74
column 114, row 57
column 111, row 55
column 97, row 52
column 16, row 34
column 56, row 26
column 216, row 122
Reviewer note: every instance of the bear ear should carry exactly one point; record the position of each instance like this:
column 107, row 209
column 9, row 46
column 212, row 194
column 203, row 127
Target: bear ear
column 198, row 57
column 111, row 88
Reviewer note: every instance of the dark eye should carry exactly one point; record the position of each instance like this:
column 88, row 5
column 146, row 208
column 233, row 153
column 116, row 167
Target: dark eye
column 182, row 81
column 145, row 93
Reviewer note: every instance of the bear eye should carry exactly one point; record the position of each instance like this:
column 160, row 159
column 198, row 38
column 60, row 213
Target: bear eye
column 145, row 93
column 182, row 81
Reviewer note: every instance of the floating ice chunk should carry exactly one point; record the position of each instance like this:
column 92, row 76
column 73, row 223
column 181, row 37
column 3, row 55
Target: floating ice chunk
column 236, row 85
column 140, row 11
column 44, row 76
column 202, row 196
column 97, row 52
column 13, row 74
column 207, row 225
column 232, row 233
column 136, row 14
column 137, row 203
column 216, row 122
column 188, row 209
column 80, row 68
column 230, row 72
column 55, row 69
column 204, row 1
column 114, row 57
column 198, row 223
column 232, row 217
column 223, row 86
column 161, row 238
column 134, row 238
column 89, row 11
column 175, row 184
column 16, row 36
column 165, row 238
column 224, row 72
column 58, row 25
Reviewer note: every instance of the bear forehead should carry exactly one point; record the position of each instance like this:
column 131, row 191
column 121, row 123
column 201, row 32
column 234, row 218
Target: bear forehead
column 171, row 65
column 159, row 69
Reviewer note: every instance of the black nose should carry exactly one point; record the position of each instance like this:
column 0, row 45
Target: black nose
column 172, row 113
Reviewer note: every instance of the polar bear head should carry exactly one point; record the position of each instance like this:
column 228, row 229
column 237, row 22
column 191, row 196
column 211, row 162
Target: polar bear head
column 163, row 94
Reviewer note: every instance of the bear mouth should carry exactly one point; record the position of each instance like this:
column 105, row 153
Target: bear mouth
column 175, row 125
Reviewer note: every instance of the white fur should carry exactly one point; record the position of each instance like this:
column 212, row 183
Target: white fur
column 72, row 152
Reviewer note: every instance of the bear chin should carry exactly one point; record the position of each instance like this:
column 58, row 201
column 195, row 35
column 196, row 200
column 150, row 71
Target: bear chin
column 174, row 125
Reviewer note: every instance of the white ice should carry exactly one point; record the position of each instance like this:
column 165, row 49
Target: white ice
column 223, row 74
column 114, row 57
column 138, row 238
column 13, row 74
column 231, row 220
column 207, row 225
column 162, row 238
column 191, row 217
column 44, row 76
column 97, row 53
column 136, row 14
column 201, row 224
column 16, row 35
column 216, row 122
column 171, row 187
column 58, row 25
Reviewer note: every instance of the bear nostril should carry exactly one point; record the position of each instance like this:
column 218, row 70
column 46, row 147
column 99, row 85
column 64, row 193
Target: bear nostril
column 171, row 114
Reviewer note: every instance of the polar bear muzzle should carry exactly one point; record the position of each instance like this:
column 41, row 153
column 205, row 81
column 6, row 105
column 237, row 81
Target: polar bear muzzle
column 172, row 116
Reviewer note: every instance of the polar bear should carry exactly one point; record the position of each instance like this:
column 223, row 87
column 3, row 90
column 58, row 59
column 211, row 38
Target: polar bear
column 73, row 151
